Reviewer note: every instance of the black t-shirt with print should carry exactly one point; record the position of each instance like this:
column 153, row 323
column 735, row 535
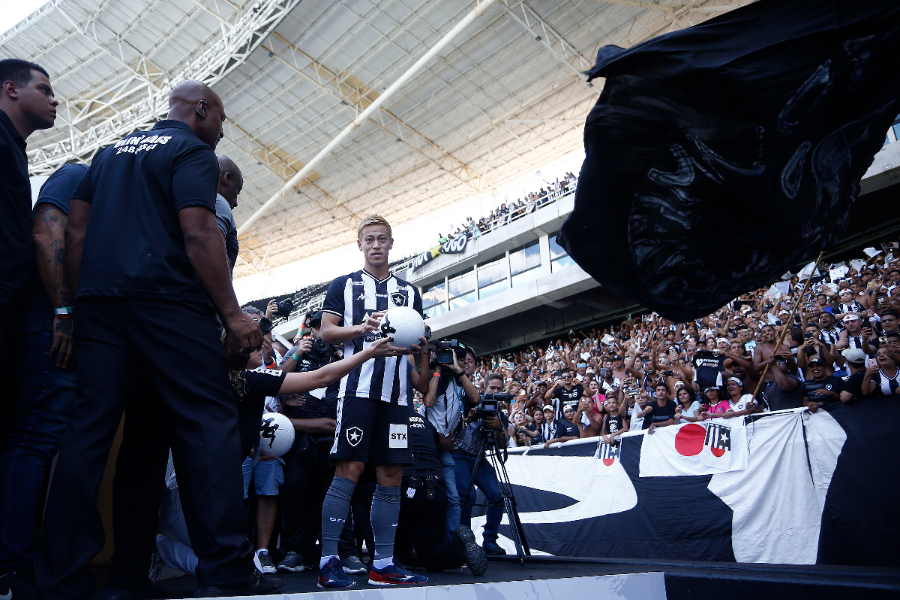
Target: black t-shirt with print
column 658, row 413
column 567, row 397
column 250, row 388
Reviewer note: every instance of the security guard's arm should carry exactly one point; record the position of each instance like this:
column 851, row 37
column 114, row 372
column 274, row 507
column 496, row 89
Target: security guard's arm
column 205, row 248
column 49, row 233
column 76, row 229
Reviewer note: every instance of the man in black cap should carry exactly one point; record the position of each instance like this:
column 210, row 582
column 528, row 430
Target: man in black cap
column 820, row 388
column 149, row 267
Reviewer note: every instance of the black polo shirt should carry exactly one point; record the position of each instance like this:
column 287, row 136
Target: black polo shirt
column 137, row 186
column 15, row 212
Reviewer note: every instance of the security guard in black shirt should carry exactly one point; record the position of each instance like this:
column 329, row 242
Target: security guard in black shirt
column 149, row 266
column 26, row 105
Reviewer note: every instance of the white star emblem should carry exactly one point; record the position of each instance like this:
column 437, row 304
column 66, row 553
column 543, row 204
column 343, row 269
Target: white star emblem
column 723, row 437
column 354, row 436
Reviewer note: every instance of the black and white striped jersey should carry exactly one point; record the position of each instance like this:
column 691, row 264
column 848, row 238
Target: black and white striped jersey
column 351, row 298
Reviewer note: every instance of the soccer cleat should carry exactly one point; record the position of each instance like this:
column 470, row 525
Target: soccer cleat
column 476, row 559
column 293, row 563
column 263, row 563
column 332, row 576
column 353, row 566
column 394, row 575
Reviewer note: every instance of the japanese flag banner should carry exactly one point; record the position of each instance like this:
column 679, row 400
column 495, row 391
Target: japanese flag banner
column 701, row 448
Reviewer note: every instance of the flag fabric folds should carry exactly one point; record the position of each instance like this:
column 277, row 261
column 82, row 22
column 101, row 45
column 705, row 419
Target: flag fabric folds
column 711, row 146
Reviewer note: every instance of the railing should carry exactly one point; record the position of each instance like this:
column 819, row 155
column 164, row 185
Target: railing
column 514, row 215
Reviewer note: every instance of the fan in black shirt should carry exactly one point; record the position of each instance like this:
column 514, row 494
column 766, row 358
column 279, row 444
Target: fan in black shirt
column 661, row 412
column 564, row 393
column 820, row 388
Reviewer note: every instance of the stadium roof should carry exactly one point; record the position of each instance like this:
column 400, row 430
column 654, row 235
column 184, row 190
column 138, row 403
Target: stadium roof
column 488, row 89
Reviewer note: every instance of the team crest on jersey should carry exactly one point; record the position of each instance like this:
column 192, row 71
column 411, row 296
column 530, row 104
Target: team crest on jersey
column 354, row 436
column 400, row 298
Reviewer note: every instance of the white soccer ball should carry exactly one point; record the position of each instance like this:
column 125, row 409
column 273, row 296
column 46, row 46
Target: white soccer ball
column 276, row 435
column 403, row 324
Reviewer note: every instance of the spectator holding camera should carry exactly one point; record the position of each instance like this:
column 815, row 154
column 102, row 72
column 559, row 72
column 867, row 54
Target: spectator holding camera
column 856, row 334
column 450, row 395
column 882, row 377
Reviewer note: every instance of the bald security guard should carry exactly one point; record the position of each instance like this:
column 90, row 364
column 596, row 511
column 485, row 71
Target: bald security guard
column 231, row 182
column 149, row 268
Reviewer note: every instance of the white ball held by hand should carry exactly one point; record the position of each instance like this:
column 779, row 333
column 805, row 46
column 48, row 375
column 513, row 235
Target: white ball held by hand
column 276, row 435
column 404, row 325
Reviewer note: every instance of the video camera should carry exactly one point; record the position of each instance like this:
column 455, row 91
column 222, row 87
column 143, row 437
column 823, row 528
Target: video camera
column 489, row 404
column 445, row 349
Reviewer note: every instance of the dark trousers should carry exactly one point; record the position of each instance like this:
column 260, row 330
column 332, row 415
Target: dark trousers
column 422, row 537
column 307, row 475
column 486, row 479
column 11, row 339
column 146, row 355
column 41, row 418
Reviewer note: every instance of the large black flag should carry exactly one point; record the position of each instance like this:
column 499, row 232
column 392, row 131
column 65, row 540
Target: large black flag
column 720, row 156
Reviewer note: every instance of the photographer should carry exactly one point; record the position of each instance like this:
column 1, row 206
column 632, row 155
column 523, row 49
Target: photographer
column 482, row 430
column 450, row 395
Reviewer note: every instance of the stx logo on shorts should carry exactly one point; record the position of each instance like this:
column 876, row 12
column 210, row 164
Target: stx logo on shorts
column 397, row 436
column 354, row 436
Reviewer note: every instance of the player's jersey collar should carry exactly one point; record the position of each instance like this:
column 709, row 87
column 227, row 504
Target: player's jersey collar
column 389, row 275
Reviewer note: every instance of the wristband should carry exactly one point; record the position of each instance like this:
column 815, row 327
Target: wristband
column 295, row 357
column 63, row 311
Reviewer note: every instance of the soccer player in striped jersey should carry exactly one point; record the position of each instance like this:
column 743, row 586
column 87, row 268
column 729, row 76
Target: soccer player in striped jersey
column 374, row 404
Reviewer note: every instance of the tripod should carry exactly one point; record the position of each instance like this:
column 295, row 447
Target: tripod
column 488, row 448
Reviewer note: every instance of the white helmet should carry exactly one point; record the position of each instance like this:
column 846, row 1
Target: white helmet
column 276, row 435
column 404, row 324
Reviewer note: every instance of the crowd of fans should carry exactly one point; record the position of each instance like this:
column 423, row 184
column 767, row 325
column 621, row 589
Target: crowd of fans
column 842, row 345
column 510, row 211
